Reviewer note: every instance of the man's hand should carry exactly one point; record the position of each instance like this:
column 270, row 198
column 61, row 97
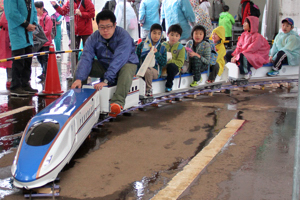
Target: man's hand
column 154, row 49
column 100, row 85
column 141, row 25
column 53, row 3
column 76, row 84
column 30, row 27
column 77, row 12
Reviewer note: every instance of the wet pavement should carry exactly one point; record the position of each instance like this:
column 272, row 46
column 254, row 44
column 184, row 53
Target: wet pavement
column 264, row 171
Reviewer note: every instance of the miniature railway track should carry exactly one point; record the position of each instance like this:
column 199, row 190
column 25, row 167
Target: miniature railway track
column 163, row 97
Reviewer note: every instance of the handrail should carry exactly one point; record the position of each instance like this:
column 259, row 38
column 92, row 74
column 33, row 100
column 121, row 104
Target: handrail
column 38, row 54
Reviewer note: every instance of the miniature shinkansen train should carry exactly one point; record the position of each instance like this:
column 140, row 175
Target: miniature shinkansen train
column 52, row 137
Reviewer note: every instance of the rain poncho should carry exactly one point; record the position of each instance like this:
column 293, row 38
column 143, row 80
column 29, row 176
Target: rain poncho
column 220, row 31
column 203, row 19
column 226, row 20
column 178, row 12
column 290, row 44
column 205, row 5
column 131, row 19
column 253, row 45
column 149, row 13
column 16, row 13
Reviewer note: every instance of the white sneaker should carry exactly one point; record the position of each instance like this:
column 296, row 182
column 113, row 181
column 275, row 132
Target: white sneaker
column 248, row 76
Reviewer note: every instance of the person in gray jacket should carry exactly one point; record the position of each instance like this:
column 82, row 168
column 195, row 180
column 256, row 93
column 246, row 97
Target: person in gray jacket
column 217, row 8
column 116, row 60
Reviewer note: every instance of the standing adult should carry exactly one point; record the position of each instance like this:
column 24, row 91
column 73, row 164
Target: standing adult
column 131, row 19
column 84, row 12
column 21, row 16
column 116, row 60
column 148, row 15
column 1, row 7
column 203, row 19
column 178, row 12
column 5, row 51
column 217, row 8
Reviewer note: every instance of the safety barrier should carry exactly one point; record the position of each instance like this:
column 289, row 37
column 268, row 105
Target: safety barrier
column 39, row 54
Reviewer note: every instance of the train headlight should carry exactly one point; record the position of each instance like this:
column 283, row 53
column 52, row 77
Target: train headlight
column 14, row 166
column 47, row 161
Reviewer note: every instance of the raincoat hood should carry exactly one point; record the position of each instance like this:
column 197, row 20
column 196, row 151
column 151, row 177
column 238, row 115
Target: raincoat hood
column 254, row 23
column 220, row 31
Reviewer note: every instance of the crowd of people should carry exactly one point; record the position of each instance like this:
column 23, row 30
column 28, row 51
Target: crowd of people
column 190, row 38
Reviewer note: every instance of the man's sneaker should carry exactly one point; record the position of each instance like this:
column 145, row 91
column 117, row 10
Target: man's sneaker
column 115, row 109
column 248, row 76
column 196, row 83
column 149, row 93
column 30, row 90
column 272, row 73
column 168, row 89
column 19, row 92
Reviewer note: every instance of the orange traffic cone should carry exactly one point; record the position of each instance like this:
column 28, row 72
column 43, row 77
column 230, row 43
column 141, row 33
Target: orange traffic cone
column 52, row 83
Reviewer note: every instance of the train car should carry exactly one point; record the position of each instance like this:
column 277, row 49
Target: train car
column 53, row 136
column 236, row 78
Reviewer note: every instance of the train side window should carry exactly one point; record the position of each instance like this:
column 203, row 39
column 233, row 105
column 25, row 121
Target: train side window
column 135, row 88
column 42, row 133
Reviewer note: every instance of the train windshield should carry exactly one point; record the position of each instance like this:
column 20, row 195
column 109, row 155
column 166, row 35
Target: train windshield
column 42, row 133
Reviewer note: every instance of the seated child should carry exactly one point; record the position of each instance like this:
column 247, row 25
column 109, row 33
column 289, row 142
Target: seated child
column 199, row 54
column 252, row 48
column 226, row 20
column 144, row 48
column 286, row 47
column 178, row 54
column 218, row 37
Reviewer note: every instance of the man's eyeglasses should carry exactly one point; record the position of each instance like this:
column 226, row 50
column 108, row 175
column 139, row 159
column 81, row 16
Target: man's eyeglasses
column 102, row 28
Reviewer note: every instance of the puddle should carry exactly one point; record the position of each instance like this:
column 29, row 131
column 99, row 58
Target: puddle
column 268, row 171
column 210, row 129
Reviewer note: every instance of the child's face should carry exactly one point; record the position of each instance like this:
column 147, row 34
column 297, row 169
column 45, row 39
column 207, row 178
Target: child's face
column 286, row 27
column 155, row 35
column 198, row 36
column 246, row 26
column 39, row 11
column 173, row 37
column 215, row 38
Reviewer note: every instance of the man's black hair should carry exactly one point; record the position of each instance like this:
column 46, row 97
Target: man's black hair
column 156, row 27
column 176, row 28
column 199, row 27
column 39, row 4
column 105, row 15
column 226, row 8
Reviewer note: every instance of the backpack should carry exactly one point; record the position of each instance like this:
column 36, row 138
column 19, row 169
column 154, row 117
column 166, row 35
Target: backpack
column 53, row 31
column 254, row 9
column 214, row 54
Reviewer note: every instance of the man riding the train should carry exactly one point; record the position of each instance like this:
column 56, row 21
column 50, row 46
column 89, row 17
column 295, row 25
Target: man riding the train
column 116, row 61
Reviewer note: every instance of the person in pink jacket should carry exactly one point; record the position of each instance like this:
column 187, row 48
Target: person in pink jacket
column 5, row 50
column 252, row 49
column 46, row 23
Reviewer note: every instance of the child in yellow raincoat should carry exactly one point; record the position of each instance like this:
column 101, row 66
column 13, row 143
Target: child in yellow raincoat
column 218, row 37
